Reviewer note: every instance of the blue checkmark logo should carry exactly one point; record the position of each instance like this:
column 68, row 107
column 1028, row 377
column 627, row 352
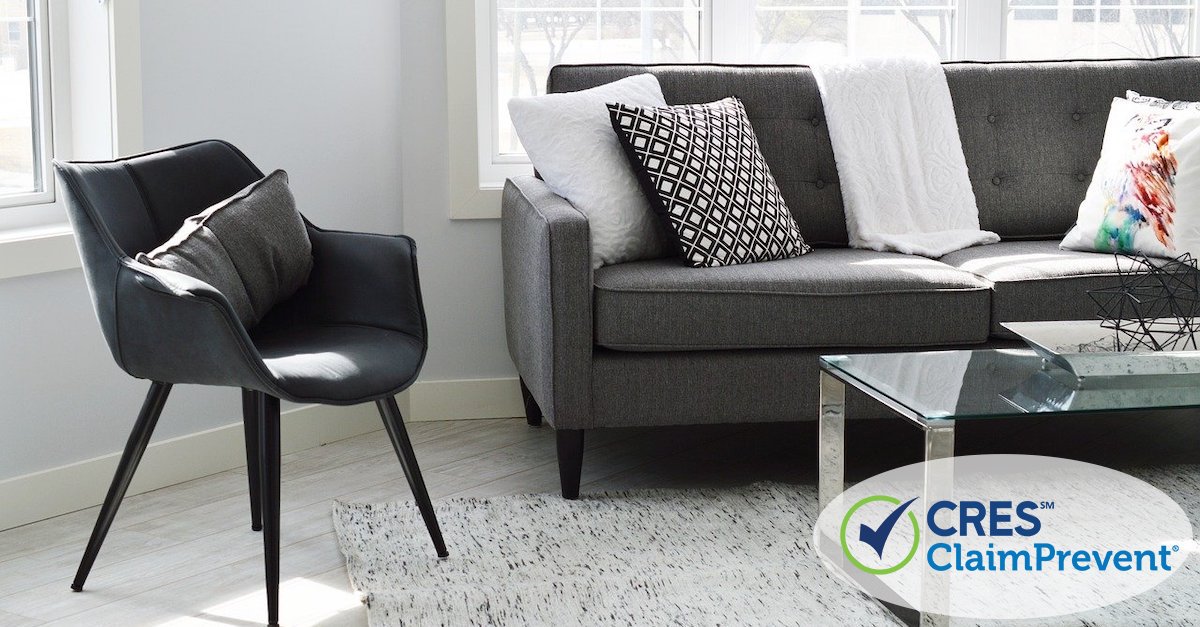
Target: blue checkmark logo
column 876, row 535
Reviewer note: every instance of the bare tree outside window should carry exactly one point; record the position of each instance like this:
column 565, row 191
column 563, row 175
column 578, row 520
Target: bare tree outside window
column 535, row 35
column 555, row 31
column 1163, row 32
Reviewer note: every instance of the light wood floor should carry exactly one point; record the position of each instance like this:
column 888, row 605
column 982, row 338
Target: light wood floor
column 185, row 555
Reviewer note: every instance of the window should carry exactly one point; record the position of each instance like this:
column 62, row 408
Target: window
column 520, row 40
column 24, row 106
column 1089, row 15
column 534, row 35
column 787, row 30
column 1075, row 29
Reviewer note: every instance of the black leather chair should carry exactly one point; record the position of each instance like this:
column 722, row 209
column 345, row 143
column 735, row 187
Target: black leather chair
column 355, row 333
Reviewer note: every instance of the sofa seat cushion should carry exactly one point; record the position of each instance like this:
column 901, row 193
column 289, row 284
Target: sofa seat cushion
column 1037, row 280
column 835, row 297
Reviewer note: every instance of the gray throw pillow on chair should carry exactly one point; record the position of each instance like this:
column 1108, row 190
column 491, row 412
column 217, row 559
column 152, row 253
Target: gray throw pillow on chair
column 252, row 247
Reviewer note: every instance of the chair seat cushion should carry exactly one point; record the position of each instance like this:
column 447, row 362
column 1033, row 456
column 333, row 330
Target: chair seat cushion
column 836, row 297
column 1037, row 280
column 338, row 364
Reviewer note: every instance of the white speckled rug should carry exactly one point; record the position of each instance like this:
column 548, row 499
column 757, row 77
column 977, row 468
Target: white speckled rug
column 693, row 557
column 696, row 557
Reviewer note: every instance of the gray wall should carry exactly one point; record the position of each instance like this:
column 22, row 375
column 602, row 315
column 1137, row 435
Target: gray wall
column 308, row 86
column 62, row 399
column 460, row 259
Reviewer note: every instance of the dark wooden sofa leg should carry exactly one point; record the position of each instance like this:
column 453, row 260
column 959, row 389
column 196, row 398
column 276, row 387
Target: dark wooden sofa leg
column 533, row 413
column 570, row 461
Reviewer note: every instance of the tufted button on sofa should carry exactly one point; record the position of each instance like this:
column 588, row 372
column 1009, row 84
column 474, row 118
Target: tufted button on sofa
column 655, row 342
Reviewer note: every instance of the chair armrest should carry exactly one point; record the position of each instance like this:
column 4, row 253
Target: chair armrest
column 178, row 329
column 358, row 278
column 548, row 298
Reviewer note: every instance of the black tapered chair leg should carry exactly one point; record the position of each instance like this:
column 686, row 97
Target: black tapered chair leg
column 268, row 465
column 394, row 423
column 570, row 461
column 533, row 413
column 139, row 438
column 250, row 422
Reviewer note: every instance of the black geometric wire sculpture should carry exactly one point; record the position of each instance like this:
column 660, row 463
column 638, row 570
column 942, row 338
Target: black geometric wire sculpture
column 1156, row 305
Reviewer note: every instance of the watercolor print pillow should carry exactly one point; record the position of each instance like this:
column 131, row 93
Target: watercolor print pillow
column 1145, row 194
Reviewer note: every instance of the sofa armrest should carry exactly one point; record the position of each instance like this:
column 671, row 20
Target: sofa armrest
column 548, row 298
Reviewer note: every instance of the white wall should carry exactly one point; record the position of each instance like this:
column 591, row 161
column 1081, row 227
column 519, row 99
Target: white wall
column 62, row 399
column 460, row 259
column 308, row 86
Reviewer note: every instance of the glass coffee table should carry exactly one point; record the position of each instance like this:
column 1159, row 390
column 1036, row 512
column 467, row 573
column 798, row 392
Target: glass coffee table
column 934, row 390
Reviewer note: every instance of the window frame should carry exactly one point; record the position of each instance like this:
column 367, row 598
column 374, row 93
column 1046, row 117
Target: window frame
column 42, row 114
column 494, row 167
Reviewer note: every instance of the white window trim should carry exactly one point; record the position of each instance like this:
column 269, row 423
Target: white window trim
column 469, row 199
column 476, row 175
column 494, row 168
column 35, row 238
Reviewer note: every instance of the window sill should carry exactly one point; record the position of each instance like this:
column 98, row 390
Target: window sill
column 25, row 252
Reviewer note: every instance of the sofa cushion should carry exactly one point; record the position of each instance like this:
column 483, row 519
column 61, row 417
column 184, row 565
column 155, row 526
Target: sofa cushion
column 837, row 297
column 1038, row 280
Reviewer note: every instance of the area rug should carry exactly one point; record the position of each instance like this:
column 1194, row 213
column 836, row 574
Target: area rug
column 738, row 556
column 696, row 557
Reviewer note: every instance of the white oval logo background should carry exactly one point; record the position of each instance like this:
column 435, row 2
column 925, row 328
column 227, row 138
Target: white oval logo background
column 1073, row 559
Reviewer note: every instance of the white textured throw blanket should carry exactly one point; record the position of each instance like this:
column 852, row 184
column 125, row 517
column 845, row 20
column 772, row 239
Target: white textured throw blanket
column 899, row 157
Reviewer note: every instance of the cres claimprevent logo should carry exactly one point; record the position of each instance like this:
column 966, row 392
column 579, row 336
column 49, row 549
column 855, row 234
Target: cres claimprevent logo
column 876, row 534
column 880, row 535
column 1004, row 536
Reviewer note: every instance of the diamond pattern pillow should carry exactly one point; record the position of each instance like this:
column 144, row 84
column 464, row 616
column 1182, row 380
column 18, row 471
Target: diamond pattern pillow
column 703, row 171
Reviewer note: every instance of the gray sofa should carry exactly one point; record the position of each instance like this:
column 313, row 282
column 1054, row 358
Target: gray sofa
column 656, row 342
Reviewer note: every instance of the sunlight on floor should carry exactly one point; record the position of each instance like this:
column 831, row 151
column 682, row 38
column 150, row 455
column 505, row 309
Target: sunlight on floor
column 302, row 603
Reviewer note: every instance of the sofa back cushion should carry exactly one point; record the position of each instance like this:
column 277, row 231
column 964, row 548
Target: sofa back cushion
column 1031, row 132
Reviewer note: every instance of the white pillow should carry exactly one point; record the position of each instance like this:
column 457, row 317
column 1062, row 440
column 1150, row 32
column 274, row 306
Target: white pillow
column 1145, row 194
column 571, row 142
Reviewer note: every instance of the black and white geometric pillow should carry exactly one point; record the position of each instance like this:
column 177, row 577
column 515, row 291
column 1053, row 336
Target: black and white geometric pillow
column 703, row 171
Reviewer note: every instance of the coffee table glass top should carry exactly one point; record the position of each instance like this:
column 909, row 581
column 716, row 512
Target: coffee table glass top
column 953, row 385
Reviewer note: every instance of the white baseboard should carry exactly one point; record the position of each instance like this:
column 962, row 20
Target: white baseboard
column 464, row 399
column 40, row 495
